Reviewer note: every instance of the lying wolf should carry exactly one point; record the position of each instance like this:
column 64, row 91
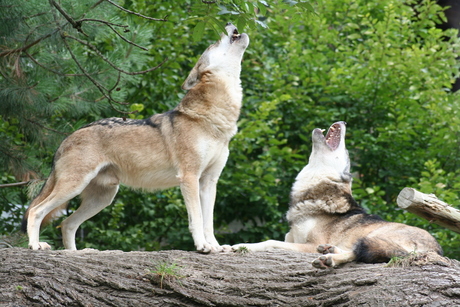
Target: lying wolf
column 324, row 217
column 186, row 147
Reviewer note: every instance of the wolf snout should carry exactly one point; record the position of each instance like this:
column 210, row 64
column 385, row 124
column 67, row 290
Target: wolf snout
column 234, row 36
column 232, row 32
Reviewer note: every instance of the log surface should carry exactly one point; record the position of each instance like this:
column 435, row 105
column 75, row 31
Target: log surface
column 276, row 278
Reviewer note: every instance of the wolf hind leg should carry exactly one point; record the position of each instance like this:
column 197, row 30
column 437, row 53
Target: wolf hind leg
column 59, row 195
column 329, row 249
column 367, row 250
column 95, row 197
column 332, row 260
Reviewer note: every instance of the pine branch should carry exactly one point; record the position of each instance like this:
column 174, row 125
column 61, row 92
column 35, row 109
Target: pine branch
column 15, row 184
column 96, row 4
column 93, row 48
column 49, row 69
column 76, row 24
column 104, row 22
column 93, row 7
column 17, row 50
column 115, row 86
column 100, row 87
column 46, row 128
column 134, row 13
column 111, row 25
column 6, row 155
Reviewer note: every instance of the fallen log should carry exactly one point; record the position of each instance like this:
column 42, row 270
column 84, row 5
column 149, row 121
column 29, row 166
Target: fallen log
column 429, row 207
column 181, row 278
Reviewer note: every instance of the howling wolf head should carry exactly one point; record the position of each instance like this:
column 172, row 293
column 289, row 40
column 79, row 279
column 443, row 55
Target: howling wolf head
column 329, row 156
column 222, row 57
column 327, row 174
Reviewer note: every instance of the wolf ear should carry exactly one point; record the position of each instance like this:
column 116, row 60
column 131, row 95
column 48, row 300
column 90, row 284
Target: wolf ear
column 192, row 79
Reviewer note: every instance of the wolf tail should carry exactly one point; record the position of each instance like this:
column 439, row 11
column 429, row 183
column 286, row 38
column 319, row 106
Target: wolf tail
column 375, row 250
column 45, row 192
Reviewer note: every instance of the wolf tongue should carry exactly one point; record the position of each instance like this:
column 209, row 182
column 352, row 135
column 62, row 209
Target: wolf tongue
column 333, row 137
column 235, row 34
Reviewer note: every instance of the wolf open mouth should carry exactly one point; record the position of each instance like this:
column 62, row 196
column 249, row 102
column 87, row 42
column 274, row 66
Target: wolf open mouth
column 235, row 36
column 333, row 136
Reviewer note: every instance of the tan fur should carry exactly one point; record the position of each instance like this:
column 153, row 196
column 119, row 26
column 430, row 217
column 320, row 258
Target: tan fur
column 325, row 218
column 186, row 147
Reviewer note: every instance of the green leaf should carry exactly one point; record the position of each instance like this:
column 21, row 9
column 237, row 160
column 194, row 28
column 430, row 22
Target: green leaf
column 198, row 31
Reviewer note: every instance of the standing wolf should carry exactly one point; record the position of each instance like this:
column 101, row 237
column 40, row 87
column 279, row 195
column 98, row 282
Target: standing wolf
column 186, row 147
column 324, row 217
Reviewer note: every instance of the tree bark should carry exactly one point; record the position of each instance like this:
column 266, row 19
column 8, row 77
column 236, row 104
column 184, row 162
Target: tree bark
column 429, row 207
column 276, row 278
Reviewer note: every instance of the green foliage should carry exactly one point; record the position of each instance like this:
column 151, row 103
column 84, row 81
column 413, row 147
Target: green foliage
column 243, row 13
column 435, row 180
column 381, row 66
column 13, row 201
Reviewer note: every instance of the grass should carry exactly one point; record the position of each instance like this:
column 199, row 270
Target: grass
column 243, row 250
column 417, row 259
column 166, row 271
column 17, row 239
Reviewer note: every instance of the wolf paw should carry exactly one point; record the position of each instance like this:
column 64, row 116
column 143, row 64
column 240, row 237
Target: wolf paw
column 226, row 248
column 323, row 262
column 40, row 245
column 203, row 248
column 208, row 248
column 326, row 249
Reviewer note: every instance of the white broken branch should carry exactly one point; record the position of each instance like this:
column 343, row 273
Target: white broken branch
column 429, row 207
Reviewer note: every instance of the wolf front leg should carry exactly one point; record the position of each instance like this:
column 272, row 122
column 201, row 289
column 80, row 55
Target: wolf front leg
column 274, row 244
column 208, row 186
column 190, row 188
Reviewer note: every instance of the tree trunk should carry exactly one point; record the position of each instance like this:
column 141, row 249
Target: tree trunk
column 429, row 207
column 276, row 278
